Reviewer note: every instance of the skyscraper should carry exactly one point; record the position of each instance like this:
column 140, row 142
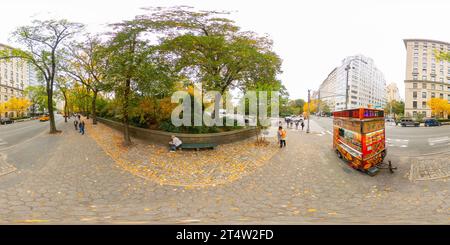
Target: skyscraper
column 392, row 93
column 366, row 85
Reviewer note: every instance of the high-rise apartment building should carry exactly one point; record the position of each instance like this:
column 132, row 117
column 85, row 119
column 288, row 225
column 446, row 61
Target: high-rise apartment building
column 426, row 76
column 392, row 93
column 327, row 90
column 366, row 85
column 14, row 78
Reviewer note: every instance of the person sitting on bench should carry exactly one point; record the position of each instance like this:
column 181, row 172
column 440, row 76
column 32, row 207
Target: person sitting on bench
column 175, row 143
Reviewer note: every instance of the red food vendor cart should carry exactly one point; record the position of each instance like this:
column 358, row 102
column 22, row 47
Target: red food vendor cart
column 359, row 138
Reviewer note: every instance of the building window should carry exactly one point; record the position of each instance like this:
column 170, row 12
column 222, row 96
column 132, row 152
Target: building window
column 433, row 95
column 424, row 104
column 424, row 85
column 415, row 78
column 424, row 95
column 424, row 77
column 415, row 104
column 441, row 96
column 415, row 95
column 415, row 113
column 433, row 86
column 414, row 85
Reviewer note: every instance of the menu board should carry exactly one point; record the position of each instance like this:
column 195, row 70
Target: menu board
column 351, row 138
column 374, row 143
column 348, row 124
column 371, row 126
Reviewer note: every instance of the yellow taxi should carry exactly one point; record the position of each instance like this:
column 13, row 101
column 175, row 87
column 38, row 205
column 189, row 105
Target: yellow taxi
column 44, row 118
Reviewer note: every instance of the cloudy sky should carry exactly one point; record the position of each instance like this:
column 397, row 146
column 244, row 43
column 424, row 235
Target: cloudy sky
column 312, row 37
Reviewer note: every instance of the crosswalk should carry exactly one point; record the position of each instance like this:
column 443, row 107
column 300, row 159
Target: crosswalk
column 402, row 143
column 439, row 141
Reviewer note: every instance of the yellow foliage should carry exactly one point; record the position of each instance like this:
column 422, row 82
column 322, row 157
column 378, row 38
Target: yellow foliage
column 2, row 108
column 311, row 106
column 19, row 105
column 439, row 106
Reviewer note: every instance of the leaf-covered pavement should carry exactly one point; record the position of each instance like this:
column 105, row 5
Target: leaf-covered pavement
column 189, row 169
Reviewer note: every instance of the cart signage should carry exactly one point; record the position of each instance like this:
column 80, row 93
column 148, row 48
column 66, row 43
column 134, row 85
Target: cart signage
column 359, row 137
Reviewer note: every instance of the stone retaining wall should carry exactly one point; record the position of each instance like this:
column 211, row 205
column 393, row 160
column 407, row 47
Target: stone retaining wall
column 161, row 137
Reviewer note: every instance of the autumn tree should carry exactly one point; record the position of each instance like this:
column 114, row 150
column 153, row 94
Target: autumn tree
column 38, row 97
column 207, row 47
column 126, row 53
column 2, row 109
column 42, row 42
column 395, row 107
column 439, row 107
column 64, row 86
column 86, row 62
column 310, row 107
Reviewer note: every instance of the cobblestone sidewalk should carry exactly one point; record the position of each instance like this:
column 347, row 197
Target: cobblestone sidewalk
column 430, row 168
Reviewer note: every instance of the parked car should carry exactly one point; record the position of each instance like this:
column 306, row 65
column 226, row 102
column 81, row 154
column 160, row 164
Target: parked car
column 404, row 122
column 6, row 120
column 431, row 122
column 44, row 118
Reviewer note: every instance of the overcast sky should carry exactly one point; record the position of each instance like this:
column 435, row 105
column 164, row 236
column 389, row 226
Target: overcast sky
column 312, row 37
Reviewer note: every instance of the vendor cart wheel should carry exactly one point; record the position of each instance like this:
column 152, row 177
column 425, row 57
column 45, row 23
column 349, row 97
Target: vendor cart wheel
column 339, row 154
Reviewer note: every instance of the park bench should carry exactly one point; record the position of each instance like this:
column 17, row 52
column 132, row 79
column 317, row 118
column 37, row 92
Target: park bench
column 198, row 146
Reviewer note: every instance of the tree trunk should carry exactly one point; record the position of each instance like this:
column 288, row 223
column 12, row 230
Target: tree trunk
column 126, row 133
column 93, row 108
column 50, row 108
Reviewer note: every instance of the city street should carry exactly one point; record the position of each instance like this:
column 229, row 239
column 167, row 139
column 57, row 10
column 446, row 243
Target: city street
column 16, row 133
column 68, row 178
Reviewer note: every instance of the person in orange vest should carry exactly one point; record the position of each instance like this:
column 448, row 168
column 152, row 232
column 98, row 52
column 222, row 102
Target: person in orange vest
column 281, row 136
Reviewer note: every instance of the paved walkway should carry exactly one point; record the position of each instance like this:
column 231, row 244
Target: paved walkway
column 302, row 183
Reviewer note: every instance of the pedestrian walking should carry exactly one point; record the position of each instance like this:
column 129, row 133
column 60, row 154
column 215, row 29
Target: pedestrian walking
column 82, row 125
column 75, row 123
column 303, row 125
column 281, row 136
column 296, row 124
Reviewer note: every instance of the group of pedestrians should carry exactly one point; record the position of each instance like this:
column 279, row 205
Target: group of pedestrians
column 282, row 134
column 79, row 124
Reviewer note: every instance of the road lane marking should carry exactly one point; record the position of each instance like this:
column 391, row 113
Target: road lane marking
column 403, row 143
column 438, row 141
column 329, row 132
